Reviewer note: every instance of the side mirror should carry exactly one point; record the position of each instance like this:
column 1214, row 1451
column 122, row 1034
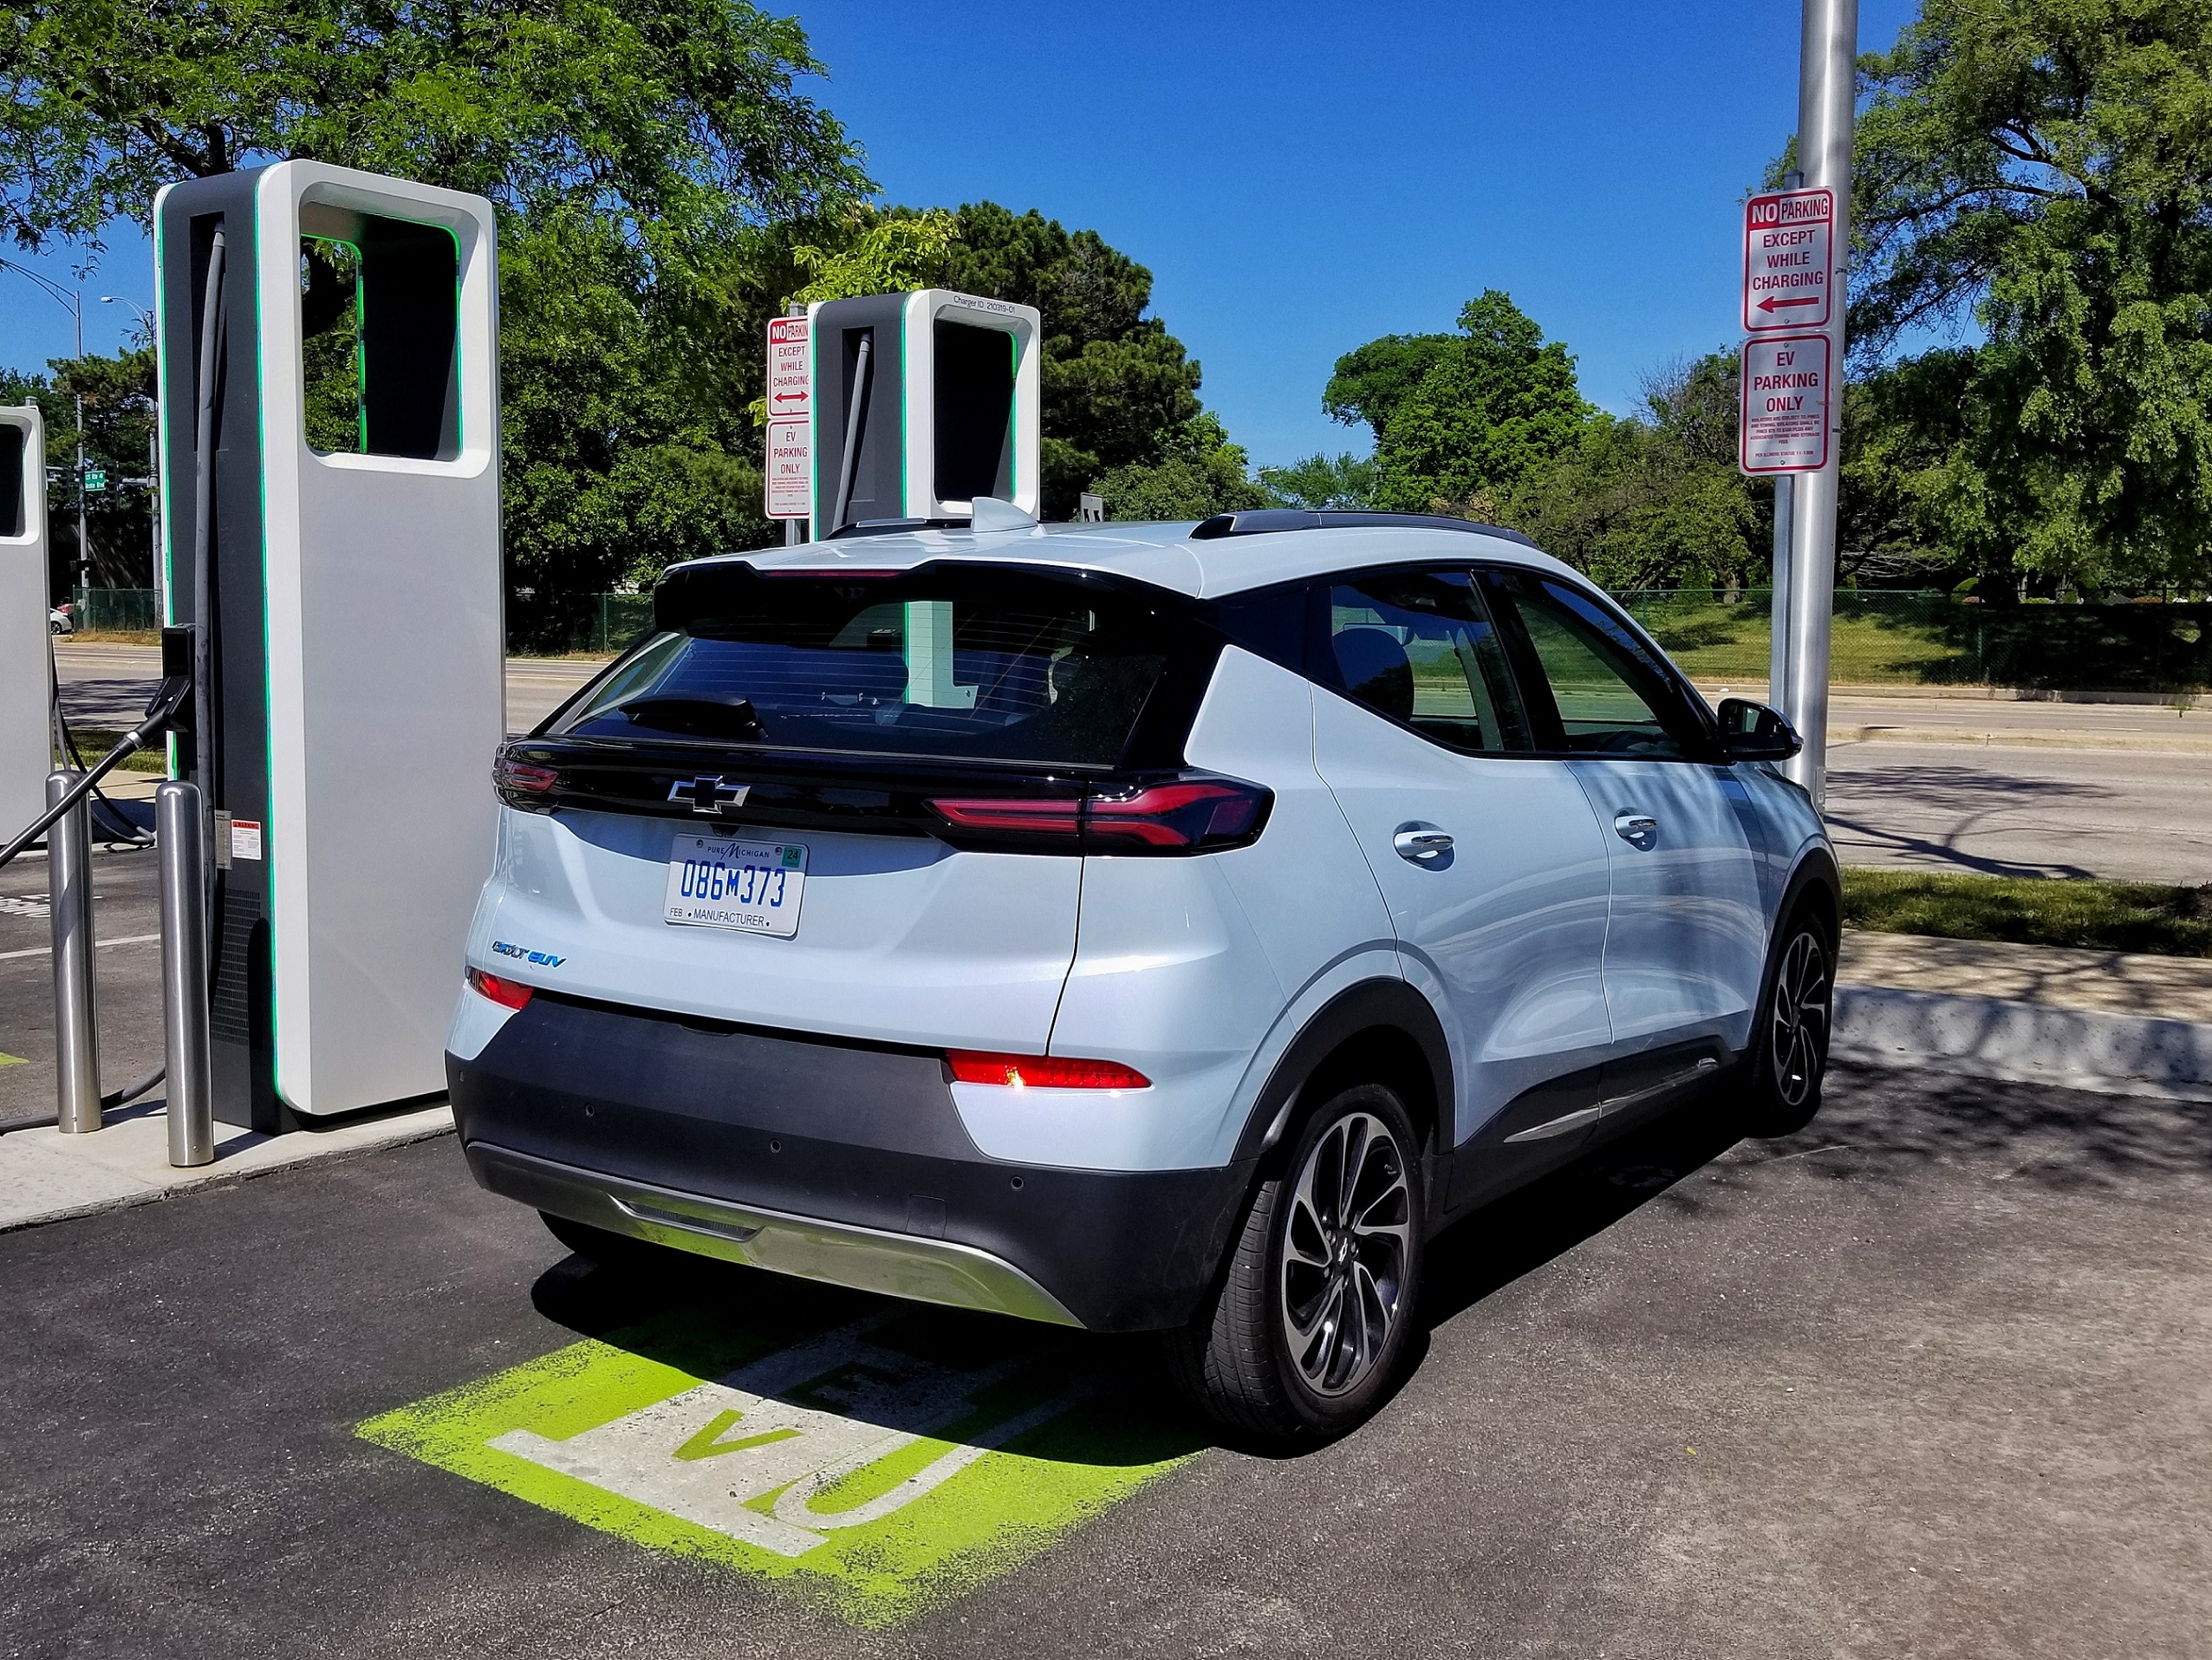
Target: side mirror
column 1751, row 731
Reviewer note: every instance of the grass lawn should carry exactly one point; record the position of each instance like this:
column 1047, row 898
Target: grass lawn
column 93, row 742
column 2026, row 910
column 1720, row 642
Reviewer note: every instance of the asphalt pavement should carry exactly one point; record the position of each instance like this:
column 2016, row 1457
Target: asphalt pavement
column 1928, row 1377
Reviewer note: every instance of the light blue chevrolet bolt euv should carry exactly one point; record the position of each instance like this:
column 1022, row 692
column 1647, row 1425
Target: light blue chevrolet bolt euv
column 1132, row 926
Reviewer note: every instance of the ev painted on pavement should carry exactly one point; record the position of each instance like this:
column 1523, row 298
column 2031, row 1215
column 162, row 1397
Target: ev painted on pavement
column 1131, row 926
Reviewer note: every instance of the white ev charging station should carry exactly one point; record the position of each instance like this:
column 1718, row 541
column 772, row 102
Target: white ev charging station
column 923, row 402
column 329, row 454
column 26, row 724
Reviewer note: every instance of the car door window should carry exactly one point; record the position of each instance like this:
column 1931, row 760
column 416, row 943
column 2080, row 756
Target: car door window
column 1611, row 695
column 1419, row 646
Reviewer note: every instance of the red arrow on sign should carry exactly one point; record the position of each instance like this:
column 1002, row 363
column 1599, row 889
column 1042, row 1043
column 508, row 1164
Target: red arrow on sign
column 793, row 397
column 1776, row 305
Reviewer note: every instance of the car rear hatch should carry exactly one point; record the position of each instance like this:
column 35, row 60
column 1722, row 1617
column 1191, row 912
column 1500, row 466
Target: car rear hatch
column 851, row 803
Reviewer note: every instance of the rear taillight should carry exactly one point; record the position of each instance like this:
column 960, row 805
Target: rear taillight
column 1209, row 812
column 507, row 993
column 1188, row 815
column 523, row 783
column 1043, row 1071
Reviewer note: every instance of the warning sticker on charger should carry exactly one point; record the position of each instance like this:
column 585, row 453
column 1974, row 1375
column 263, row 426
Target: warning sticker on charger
column 245, row 838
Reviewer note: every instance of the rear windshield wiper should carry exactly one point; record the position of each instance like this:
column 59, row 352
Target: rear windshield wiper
column 701, row 717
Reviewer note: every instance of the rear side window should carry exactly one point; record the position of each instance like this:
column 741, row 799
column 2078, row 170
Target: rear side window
column 945, row 662
column 1418, row 646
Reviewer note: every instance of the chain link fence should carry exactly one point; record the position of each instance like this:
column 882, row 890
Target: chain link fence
column 1934, row 638
column 1909, row 638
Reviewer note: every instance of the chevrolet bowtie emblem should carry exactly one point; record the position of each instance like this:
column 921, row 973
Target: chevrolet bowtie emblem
column 709, row 796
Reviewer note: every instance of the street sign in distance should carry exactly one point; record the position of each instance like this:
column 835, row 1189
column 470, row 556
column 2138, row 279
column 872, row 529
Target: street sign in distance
column 790, row 468
column 94, row 480
column 790, row 369
column 1788, row 260
column 1785, row 413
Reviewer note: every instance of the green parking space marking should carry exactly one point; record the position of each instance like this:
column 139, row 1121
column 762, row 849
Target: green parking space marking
column 6, row 1059
column 879, row 1467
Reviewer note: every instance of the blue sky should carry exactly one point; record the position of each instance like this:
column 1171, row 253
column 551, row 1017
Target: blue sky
column 1303, row 178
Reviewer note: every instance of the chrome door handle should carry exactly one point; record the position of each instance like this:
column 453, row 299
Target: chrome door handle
column 1419, row 844
column 1635, row 827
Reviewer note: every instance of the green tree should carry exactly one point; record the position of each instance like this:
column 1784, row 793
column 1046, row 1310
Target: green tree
column 118, row 394
column 1199, row 472
column 1655, row 500
column 655, row 171
column 2047, row 165
column 1465, row 419
column 1372, row 380
column 1321, row 481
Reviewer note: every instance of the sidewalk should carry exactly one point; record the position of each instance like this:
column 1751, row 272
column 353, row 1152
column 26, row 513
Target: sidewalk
column 2106, row 1021
column 45, row 1176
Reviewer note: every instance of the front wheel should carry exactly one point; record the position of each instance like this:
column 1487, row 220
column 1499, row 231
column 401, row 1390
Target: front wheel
column 1306, row 1335
column 1789, row 1059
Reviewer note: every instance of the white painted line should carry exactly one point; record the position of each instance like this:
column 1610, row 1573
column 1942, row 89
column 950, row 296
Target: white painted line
column 47, row 950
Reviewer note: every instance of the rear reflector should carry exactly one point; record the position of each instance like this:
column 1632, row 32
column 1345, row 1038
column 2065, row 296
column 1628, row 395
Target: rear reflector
column 522, row 777
column 1037, row 815
column 508, row 993
column 1043, row 1071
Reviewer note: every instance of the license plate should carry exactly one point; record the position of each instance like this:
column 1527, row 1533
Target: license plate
column 720, row 881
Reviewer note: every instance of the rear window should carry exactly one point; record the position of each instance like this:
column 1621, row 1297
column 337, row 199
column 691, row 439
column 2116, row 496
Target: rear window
column 963, row 664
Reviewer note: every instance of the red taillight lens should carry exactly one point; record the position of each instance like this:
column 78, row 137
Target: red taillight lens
column 521, row 777
column 1175, row 815
column 508, row 993
column 1208, row 813
column 1043, row 1071
column 1019, row 814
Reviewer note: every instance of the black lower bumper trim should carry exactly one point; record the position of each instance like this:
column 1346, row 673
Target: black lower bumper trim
column 843, row 1136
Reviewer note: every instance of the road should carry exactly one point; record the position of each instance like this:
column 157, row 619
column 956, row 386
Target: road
column 2105, row 808
column 1931, row 1377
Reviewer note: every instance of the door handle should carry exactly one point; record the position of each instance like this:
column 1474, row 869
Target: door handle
column 1635, row 827
column 1420, row 844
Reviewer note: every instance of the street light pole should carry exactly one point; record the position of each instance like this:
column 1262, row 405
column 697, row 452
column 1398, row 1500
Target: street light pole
column 153, row 467
column 1827, row 93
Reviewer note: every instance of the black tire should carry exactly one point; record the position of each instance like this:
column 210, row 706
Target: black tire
column 1780, row 1089
column 608, row 1249
column 1242, row 1360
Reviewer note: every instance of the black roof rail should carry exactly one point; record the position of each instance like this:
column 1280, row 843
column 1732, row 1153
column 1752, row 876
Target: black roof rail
column 1268, row 521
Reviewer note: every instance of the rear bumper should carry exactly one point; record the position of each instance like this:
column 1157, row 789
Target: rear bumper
column 844, row 1163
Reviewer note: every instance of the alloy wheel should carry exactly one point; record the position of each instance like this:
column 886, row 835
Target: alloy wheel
column 1799, row 1030
column 1345, row 1247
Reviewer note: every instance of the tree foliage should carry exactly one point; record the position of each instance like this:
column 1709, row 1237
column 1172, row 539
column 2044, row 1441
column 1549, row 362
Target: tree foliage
column 118, row 395
column 2047, row 165
column 1462, row 421
column 1344, row 480
column 672, row 117
column 1198, row 473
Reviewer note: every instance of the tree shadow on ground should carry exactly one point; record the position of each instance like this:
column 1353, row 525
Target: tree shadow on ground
column 1858, row 793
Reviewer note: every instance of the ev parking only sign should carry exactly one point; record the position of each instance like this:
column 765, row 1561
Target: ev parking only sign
column 1788, row 260
column 1785, row 412
column 790, row 419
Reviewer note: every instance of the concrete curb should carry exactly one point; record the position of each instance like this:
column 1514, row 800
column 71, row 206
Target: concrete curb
column 2180, row 744
column 2023, row 1043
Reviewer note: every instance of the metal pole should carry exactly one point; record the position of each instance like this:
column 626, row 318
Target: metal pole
column 84, row 545
column 76, row 1027
column 181, row 829
column 1827, row 89
column 1778, row 653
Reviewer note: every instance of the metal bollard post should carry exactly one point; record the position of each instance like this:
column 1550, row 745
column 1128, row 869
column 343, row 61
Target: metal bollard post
column 181, row 832
column 76, row 1026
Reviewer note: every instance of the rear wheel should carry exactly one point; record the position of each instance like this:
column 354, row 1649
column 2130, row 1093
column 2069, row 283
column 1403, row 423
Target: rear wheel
column 1789, row 1059
column 1305, row 1336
